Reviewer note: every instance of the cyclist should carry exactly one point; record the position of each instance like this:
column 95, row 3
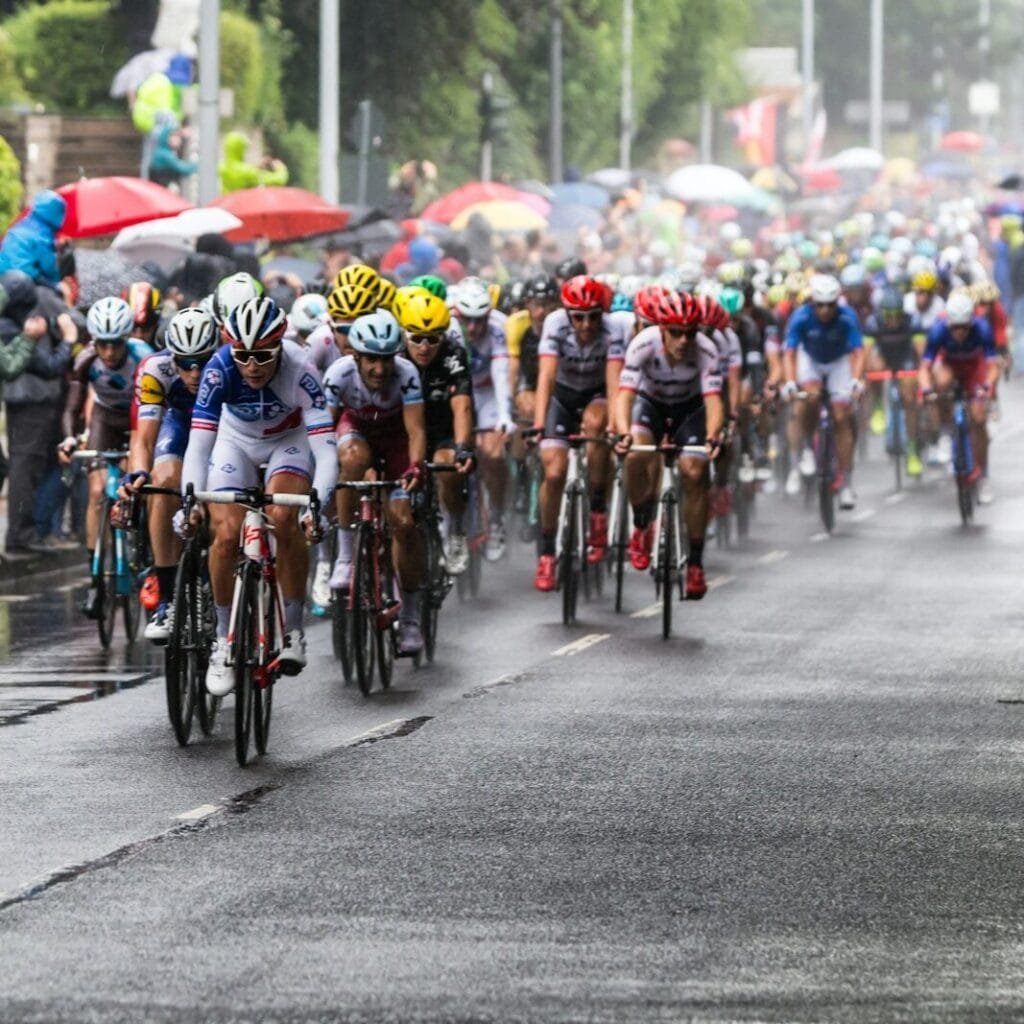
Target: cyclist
column 144, row 301
column 823, row 341
column 889, row 342
column 482, row 329
column 447, row 386
column 259, row 402
column 165, row 392
column 924, row 304
column 961, row 349
column 347, row 302
column 580, row 358
column 231, row 292
column 671, row 384
column 103, row 372
column 377, row 402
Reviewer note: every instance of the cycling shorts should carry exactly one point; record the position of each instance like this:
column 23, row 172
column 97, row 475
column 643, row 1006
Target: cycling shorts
column 234, row 466
column 684, row 422
column 899, row 356
column 172, row 440
column 840, row 378
column 485, row 409
column 565, row 415
column 390, row 446
column 971, row 374
column 108, row 431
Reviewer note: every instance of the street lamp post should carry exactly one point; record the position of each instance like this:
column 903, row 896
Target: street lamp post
column 875, row 99
column 209, row 99
column 329, row 114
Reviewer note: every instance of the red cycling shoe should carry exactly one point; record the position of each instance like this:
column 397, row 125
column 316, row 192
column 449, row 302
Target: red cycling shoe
column 545, row 578
column 640, row 546
column 696, row 585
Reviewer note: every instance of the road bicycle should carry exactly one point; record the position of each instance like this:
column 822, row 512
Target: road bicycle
column 825, row 458
column 119, row 556
column 437, row 583
column 619, row 523
column 668, row 560
column 575, row 570
column 895, row 418
column 963, row 456
column 256, row 631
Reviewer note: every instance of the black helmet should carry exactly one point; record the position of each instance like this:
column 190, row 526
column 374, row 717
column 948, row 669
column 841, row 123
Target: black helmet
column 571, row 267
column 511, row 297
column 541, row 287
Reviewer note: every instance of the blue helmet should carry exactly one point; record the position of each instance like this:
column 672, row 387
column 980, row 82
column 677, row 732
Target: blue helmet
column 376, row 334
column 621, row 304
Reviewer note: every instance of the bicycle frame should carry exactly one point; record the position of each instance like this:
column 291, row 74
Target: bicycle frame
column 113, row 460
column 371, row 511
column 576, row 480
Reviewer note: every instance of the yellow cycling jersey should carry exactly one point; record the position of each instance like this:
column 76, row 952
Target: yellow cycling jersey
column 516, row 327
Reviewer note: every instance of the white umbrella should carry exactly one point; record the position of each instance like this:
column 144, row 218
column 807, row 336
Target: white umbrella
column 709, row 183
column 858, row 158
column 190, row 224
column 131, row 75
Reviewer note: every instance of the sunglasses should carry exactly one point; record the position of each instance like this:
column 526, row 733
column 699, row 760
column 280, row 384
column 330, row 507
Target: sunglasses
column 825, row 305
column 110, row 342
column 426, row 339
column 190, row 362
column 261, row 356
column 341, row 329
column 681, row 332
column 592, row 315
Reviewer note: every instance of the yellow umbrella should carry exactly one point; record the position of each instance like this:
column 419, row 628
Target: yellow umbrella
column 502, row 215
column 900, row 171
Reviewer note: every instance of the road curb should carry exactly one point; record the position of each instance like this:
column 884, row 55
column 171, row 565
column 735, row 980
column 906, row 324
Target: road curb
column 14, row 570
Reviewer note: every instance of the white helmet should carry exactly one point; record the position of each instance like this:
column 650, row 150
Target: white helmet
column 255, row 323
column 472, row 298
column 192, row 332
column 232, row 292
column 730, row 231
column 825, row 288
column 959, row 308
column 110, row 319
column 308, row 312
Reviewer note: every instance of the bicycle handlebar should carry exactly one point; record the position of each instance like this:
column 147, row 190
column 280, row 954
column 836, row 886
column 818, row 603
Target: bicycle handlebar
column 92, row 453
column 682, row 449
column 441, row 467
column 250, row 498
column 367, row 485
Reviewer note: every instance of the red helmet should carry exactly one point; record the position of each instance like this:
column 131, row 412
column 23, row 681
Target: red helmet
column 717, row 316
column 675, row 309
column 144, row 301
column 645, row 302
column 584, row 293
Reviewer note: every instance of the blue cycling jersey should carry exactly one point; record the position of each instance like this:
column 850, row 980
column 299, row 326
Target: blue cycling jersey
column 979, row 343
column 824, row 343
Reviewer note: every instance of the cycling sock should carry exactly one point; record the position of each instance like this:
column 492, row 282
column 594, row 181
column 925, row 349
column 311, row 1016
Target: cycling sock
column 292, row 615
column 345, row 543
column 547, row 542
column 643, row 514
column 223, row 620
column 165, row 580
column 597, row 500
column 410, row 610
column 696, row 552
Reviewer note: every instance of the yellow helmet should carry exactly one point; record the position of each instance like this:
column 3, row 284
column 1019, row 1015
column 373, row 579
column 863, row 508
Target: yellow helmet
column 349, row 301
column 402, row 297
column 925, row 281
column 775, row 294
column 494, row 290
column 358, row 274
column 422, row 313
column 385, row 294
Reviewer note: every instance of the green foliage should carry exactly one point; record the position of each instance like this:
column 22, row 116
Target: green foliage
column 66, row 52
column 11, row 189
column 11, row 88
column 299, row 147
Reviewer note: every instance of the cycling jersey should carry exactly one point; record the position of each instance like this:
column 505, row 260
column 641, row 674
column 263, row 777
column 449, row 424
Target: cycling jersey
column 824, row 343
column 522, row 341
column 730, row 350
column 319, row 347
column 111, row 388
column 158, row 387
column 286, row 423
column 488, row 363
column 647, row 370
column 580, row 369
column 894, row 344
column 979, row 344
column 922, row 323
column 446, row 376
column 768, row 327
column 364, row 409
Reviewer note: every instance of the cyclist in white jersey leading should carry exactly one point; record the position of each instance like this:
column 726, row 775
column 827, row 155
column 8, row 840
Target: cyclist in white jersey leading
column 482, row 330
column 259, row 403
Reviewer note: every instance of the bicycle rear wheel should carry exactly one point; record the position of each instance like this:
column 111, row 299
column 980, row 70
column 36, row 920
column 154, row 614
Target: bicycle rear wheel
column 826, row 479
column 341, row 633
column 106, row 581
column 134, row 551
column 244, row 655
column 569, row 566
column 183, row 673
column 620, row 541
column 667, row 566
column 207, row 705
column 264, row 677
column 363, row 612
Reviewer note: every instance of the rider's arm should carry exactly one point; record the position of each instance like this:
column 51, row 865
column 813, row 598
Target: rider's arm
column 77, row 389
column 546, row 372
column 462, row 420
column 502, row 389
column 791, row 345
column 415, row 428
column 205, row 418
column 142, row 446
column 714, row 414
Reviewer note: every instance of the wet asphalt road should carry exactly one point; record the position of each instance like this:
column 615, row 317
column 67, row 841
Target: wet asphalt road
column 805, row 807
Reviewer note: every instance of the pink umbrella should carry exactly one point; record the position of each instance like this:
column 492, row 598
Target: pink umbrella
column 962, row 142
column 447, row 208
column 281, row 214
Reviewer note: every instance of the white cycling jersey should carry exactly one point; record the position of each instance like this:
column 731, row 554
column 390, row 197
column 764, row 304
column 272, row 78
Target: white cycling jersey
column 580, row 368
column 649, row 372
column 372, row 410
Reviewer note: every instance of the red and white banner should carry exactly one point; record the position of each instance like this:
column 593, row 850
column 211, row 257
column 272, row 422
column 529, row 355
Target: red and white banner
column 756, row 129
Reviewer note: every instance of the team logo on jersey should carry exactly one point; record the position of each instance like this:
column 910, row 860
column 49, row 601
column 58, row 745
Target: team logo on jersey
column 291, row 450
column 151, row 391
column 311, row 386
column 228, row 468
column 452, row 363
column 212, row 380
column 411, row 386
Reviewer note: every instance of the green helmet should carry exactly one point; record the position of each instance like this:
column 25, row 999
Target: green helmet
column 432, row 283
column 731, row 300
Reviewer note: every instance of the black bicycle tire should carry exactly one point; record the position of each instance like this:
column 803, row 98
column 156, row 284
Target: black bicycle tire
column 620, row 543
column 179, row 669
column 263, row 696
column 131, row 609
column 826, row 495
column 244, row 654
column 385, row 639
column 363, row 613
column 666, row 567
column 341, row 634
column 106, row 579
column 568, row 568
column 207, row 705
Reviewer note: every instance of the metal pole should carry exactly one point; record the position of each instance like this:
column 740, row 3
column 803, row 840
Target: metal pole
column 875, row 100
column 984, row 53
column 626, row 129
column 706, row 129
column 807, row 74
column 487, row 142
column 330, row 129
column 555, row 93
column 209, row 98
column 364, row 150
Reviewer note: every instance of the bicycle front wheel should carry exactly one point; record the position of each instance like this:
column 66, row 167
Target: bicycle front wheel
column 106, row 580
column 341, row 633
column 363, row 612
column 569, row 567
column 826, row 479
column 244, row 654
column 134, row 550
column 184, row 675
column 264, row 678
column 667, row 565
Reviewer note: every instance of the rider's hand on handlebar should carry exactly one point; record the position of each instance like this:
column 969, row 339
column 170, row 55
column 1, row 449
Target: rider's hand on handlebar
column 65, row 448
column 465, row 458
column 532, row 436
column 788, row 390
column 183, row 528
column 412, row 478
column 857, row 388
column 314, row 527
column 132, row 483
column 623, row 443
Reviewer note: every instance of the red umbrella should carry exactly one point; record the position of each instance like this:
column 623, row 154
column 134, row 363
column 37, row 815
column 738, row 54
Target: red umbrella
column 102, row 206
column 820, row 178
column 962, row 142
column 281, row 214
column 447, row 208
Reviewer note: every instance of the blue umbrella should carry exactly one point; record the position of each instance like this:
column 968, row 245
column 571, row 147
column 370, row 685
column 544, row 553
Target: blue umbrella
column 579, row 193
column 947, row 169
column 574, row 216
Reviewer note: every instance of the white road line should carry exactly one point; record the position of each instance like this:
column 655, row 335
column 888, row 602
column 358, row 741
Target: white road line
column 862, row 516
column 895, row 499
column 16, row 598
column 817, row 538
column 198, row 813
column 772, row 557
column 580, row 645
column 647, row 613
column 29, row 676
column 719, row 581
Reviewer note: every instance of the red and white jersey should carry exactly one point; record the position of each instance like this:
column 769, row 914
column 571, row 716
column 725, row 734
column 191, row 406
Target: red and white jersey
column 347, row 391
column 580, row 368
column 649, row 372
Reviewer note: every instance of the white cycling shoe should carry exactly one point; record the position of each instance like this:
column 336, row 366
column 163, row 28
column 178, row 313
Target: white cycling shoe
column 494, row 548
column 808, row 467
column 292, row 658
column 847, row 499
column 793, row 482
column 220, row 677
column 321, row 590
column 456, row 554
column 341, row 578
column 986, row 495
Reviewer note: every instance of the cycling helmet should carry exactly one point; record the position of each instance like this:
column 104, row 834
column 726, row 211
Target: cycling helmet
column 541, row 287
column 308, row 312
column 511, row 297
column 926, row 247
column 959, row 308
column 645, row 302
column 853, row 276
column 385, row 294
column 232, row 291
column 675, row 309
column 192, row 332
column 621, row 303
column 925, row 281
column 742, row 248
column 358, row 274
column 144, row 301
column 571, row 267
column 494, row 291
column 825, row 288
column 434, row 284
column 731, row 300
column 110, row 319
column 419, row 312
column 873, row 259
column 376, row 334
column 716, row 315
column 349, row 301
column 583, row 293
column 472, row 298
column 986, row 291
column 730, row 231
column 890, row 303
column 254, row 324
